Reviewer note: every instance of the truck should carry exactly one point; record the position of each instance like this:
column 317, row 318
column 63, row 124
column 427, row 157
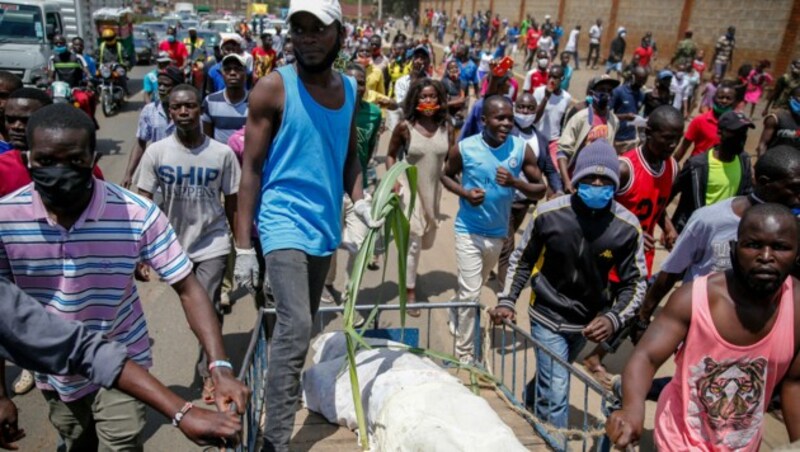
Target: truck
column 27, row 28
column 184, row 7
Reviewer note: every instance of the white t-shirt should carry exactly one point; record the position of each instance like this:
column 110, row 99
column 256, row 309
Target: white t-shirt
column 594, row 34
column 486, row 58
column 193, row 182
column 572, row 42
column 546, row 43
column 682, row 90
column 550, row 123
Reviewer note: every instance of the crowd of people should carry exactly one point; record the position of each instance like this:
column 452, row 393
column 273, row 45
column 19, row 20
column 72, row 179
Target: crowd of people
column 247, row 179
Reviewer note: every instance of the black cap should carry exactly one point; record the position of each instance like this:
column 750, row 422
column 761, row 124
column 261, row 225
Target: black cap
column 173, row 73
column 734, row 120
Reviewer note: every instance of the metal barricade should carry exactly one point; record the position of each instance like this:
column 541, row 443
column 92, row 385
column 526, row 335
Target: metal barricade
column 507, row 352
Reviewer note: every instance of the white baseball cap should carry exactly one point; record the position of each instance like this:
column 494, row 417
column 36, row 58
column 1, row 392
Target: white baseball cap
column 235, row 57
column 225, row 37
column 163, row 57
column 327, row 11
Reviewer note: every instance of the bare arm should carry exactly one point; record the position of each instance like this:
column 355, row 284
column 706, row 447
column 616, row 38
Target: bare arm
column 353, row 176
column 452, row 168
column 542, row 106
column 265, row 106
column 770, row 125
column 397, row 142
column 659, row 342
column 534, row 188
column 790, row 389
column 564, row 171
column 133, row 162
column 663, row 283
column 682, row 148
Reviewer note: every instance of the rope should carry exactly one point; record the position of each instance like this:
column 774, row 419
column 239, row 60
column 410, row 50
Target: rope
column 530, row 417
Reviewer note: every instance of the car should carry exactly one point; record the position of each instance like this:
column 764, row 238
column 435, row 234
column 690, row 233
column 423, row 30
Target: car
column 187, row 24
column 220, row 26
column 158, row 29
column 145, row 52
column 172, row 20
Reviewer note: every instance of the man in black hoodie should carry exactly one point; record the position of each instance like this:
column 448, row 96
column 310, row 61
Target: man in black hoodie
column 587, row 233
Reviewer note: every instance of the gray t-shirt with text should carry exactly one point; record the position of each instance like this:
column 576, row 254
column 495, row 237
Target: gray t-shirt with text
column 193, row 182
column 704, row 245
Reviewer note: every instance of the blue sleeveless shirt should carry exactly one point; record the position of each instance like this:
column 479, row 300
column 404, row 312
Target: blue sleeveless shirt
column 302, row 183
column 479, row 167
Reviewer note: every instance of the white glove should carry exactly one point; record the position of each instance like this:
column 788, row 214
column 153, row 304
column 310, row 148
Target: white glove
column 245, row 271
column 363, row 209
column 639, row 121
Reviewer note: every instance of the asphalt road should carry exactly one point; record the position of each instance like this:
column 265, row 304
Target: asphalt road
column 175, row 348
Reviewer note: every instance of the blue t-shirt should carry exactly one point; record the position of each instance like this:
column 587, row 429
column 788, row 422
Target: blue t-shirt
column 151, row 84
column 469, row 71
column 567, row 77
column 479, row 168
column 513, row 35
column 5, row 146
column 91, row 64
column 302, row 183
column 625, row 100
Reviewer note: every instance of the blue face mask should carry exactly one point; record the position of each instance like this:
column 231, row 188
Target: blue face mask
column 595, row 197
column 58, row 50
column 171, row 38
column 794, row 104
column 796, row 212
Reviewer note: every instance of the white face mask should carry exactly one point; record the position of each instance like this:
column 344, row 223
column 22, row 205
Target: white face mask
column 543, row 62
column 524, row 121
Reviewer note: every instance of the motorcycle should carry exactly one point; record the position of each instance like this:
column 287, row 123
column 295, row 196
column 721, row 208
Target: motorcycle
column 81, row 97
column 112, row 94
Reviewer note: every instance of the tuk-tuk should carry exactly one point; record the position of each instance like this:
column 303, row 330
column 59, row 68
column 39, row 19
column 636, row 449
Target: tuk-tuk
column 121, row 21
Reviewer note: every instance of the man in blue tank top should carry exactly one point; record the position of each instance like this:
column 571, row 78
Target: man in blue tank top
column 299, row 159
column 490, row 165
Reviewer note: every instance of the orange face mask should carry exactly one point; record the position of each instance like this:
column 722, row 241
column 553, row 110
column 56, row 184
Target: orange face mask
column 425, row 107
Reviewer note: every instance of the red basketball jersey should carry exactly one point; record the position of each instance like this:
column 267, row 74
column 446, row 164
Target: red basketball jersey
column 647, row 192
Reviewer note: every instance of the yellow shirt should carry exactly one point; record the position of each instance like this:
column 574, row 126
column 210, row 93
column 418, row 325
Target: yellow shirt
column 723, row 178
column 375, row 80
column 395, row 72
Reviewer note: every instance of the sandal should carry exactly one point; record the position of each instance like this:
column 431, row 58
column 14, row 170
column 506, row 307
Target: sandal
column 601, row 375
column 23, row 383
column 412, row 312
column 208, row 391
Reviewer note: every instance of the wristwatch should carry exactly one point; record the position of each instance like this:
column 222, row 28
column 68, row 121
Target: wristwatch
column 176, row 420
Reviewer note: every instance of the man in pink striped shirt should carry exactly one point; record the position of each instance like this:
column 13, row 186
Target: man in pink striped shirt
column 72, row 242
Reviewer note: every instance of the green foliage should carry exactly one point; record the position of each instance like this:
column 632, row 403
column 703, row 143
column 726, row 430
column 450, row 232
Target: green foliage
column 385, row 204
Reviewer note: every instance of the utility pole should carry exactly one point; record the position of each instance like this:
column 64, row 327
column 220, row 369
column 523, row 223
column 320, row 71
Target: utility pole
column 359, row 12
column 380, row 9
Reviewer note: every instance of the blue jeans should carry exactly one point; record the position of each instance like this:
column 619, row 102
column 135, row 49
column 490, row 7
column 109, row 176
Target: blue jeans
column 551, row 383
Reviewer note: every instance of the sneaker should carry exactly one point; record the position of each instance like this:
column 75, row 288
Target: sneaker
column 327, row 295
column 358, row 320
column 23, row 383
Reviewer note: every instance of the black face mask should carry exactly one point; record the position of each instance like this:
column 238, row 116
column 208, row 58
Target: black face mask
column 733, row 144
column 61, row 186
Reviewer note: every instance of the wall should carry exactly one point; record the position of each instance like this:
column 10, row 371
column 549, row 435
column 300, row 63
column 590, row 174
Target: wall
column 761, row 24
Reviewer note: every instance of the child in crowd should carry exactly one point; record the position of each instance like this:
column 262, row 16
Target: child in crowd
column 708, row 92
column 757, row 79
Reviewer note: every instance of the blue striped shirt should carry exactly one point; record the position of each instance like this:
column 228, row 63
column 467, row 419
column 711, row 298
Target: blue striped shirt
column 86, row 273
column 226, row 117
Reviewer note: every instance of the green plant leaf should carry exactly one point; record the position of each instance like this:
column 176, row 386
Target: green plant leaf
column 385, row 204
